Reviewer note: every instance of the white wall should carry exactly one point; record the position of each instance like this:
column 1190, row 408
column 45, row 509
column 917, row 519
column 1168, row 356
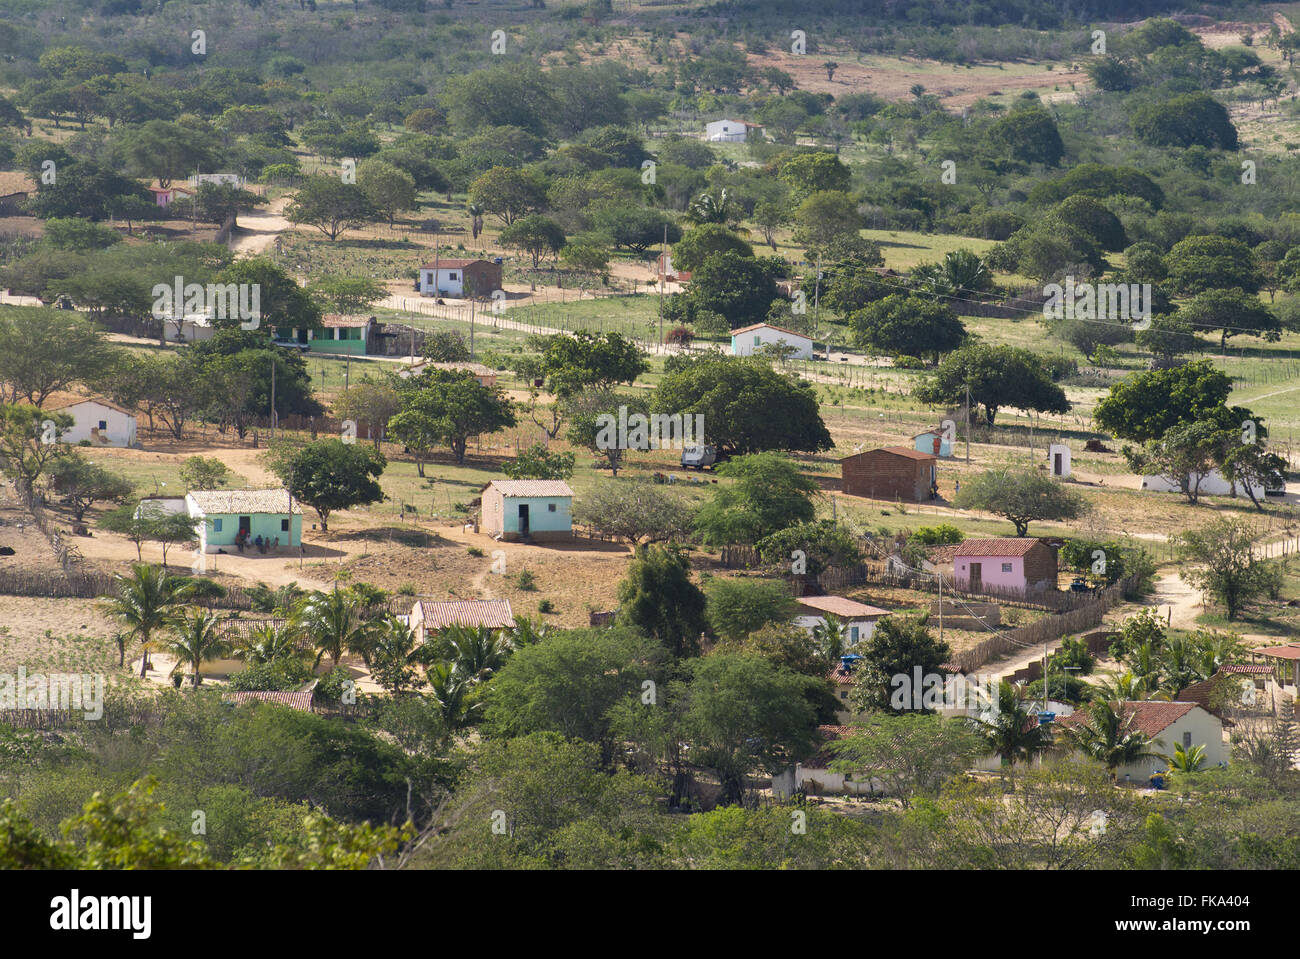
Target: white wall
column 1206, row 730
column 727, row 131
column 809, row 622
column 1212, row 484
column 119, row 431
column 742, row 344
column 446, row 286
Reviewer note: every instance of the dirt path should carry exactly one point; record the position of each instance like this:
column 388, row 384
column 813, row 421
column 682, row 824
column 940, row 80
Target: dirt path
column 259, row 229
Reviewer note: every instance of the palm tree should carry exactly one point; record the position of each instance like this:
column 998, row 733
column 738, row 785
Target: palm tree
column 1187, row 760
column 395, row 656
column 1123, row 688
column 526, row 632
column 452, row 692
column 830, row 636
column 1013, row 732
column 271, row 643
column 965, row 271
column 335, row 623
column 1109, row 738
column 147, row 602
column 196, row 639
column 475, row 219
column 476, row 651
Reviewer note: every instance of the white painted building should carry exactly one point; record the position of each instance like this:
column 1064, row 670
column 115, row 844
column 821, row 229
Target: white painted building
column 1169, row 725
column 220, row 179
column 859, row 619
column 1212, row 483
column 193, row 328
column 749, row 340
column 729, row 131
column 98, row 422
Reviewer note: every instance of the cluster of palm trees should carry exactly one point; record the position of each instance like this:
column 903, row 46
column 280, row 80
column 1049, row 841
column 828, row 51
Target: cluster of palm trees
column 155, row 611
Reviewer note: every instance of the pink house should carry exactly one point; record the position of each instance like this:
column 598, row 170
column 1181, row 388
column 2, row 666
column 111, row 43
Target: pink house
column 163, row 196
column 1016, row 565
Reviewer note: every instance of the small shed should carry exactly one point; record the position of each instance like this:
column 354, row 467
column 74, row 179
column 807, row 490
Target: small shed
column 219, row 515
column 429, row 616
column 859, row 619
column 1010, row 564
column 934, row 443
column 99, row 423
column 892, row 472
column 749, row 340
column 459, row 277
column 729, row 131
column 1058, row 458
column 528, row 509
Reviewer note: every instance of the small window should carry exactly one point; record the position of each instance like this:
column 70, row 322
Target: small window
column 757, row 340
column 853, row 634
column 216, row 526
column 103, row 424
column 453, row 276
column 284, row 526
column 550, row 507
column 1006, row 567
column 844, row 695
column 1187, row 740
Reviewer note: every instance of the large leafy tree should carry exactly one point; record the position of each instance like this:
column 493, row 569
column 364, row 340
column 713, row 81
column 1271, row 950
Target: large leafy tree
column 1190, row 119
column 747, row 405
column 1221, row 560
column 897, row 647
column 508, row 194
column 330, row 205
column 577, row 362
column 1231, row 312
column 536, row 235
column 29, row 444
column 44, row 350
column 639, row 511
column 1184, row 454
column 1211, row 262
column 1022, row 496
column 996, row 376
column 84, row 484
column 453, row 406
column 907, row 325
column 1026, row 135
column 706, row 239
column 740, row 288
column 911, row 756
column 1146, row 405
column 658, row 598
column 738, row 606
column 769, row 493
column 330, row 475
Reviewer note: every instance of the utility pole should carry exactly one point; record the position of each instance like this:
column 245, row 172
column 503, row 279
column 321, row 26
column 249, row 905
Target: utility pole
column 663, row 274
column 968, row 423
column 272, row 397
column 940, row 577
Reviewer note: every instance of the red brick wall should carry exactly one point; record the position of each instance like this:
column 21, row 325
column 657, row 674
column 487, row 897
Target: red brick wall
column 886, row 476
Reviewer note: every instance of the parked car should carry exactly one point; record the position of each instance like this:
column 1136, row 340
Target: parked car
column 698, row 457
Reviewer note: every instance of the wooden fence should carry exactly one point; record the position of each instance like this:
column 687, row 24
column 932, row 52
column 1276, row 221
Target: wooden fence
column 1045, row 630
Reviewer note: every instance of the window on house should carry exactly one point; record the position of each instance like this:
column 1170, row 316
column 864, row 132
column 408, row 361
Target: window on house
column 453, row 276
column 550, row 507
column 853, row 634
column 103, row 424
column 216, row 526
column 1006, row 567
column 284, row 526
column 1187, row 740
column 757, row 340
column 844, row 695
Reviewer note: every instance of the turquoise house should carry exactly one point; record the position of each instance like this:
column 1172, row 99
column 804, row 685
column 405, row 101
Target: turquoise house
column 341, row 335
column 932, row 442
column 219, row 515
column 527, row 509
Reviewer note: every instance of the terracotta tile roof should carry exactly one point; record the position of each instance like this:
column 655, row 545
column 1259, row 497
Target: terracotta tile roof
column 995, row 547
column 1248, row 669
column 769, row 326
column 841, row 606
column 447, row 263
column 331, row 320
column 825, row 756
column 904, row 451
column 840, row 676
column 492, row 613
column 1290, row 651
column 300, row 701
column 231, row 501
column 68, row 404
column 532, row 487
column 1150, row 717
column 243, row 628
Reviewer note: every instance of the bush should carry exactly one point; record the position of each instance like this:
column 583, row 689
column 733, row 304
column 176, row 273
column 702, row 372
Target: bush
column 283, row 676
column 334, row 684
column 546, row 606
column 526, row 581
column 945, row 534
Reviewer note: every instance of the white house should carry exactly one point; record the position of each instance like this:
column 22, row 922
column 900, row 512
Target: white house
column 729, row 131
column 448, row 276
column 99, row 422
column 1169, row 725
column 814, row 776
column 749, row 340
column 858, row 619
column 1212, row 483
column 193, row 328
column 220, row 179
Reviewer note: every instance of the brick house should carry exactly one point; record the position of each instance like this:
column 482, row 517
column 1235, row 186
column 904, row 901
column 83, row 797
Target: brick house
column 1013, row 565
column 892, row 472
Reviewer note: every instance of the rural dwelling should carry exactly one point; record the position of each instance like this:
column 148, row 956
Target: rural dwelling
column 220, row 514
column 219, row 179
column 486, row 376
column 344, row 335
column 1285, row 662
column 1008, row 565
column 729, row 131
column 1058, row 458
column 813, row 776
column 165, row 196
column 15, row 188
column 934, row 443
column 460, row 278
column 858, row 619
column 301, row 701
column 749, row 340
column 428, row 617
column 1169, row 725
column 99, row 423
column 666, row 272
column 1212, row 483
column 193, row 328
column 892, row 472
column 527, row 509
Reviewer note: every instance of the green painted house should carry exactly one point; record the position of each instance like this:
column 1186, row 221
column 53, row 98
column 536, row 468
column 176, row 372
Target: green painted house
column 341, row 335
column 528, row 509
column 219, row 515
